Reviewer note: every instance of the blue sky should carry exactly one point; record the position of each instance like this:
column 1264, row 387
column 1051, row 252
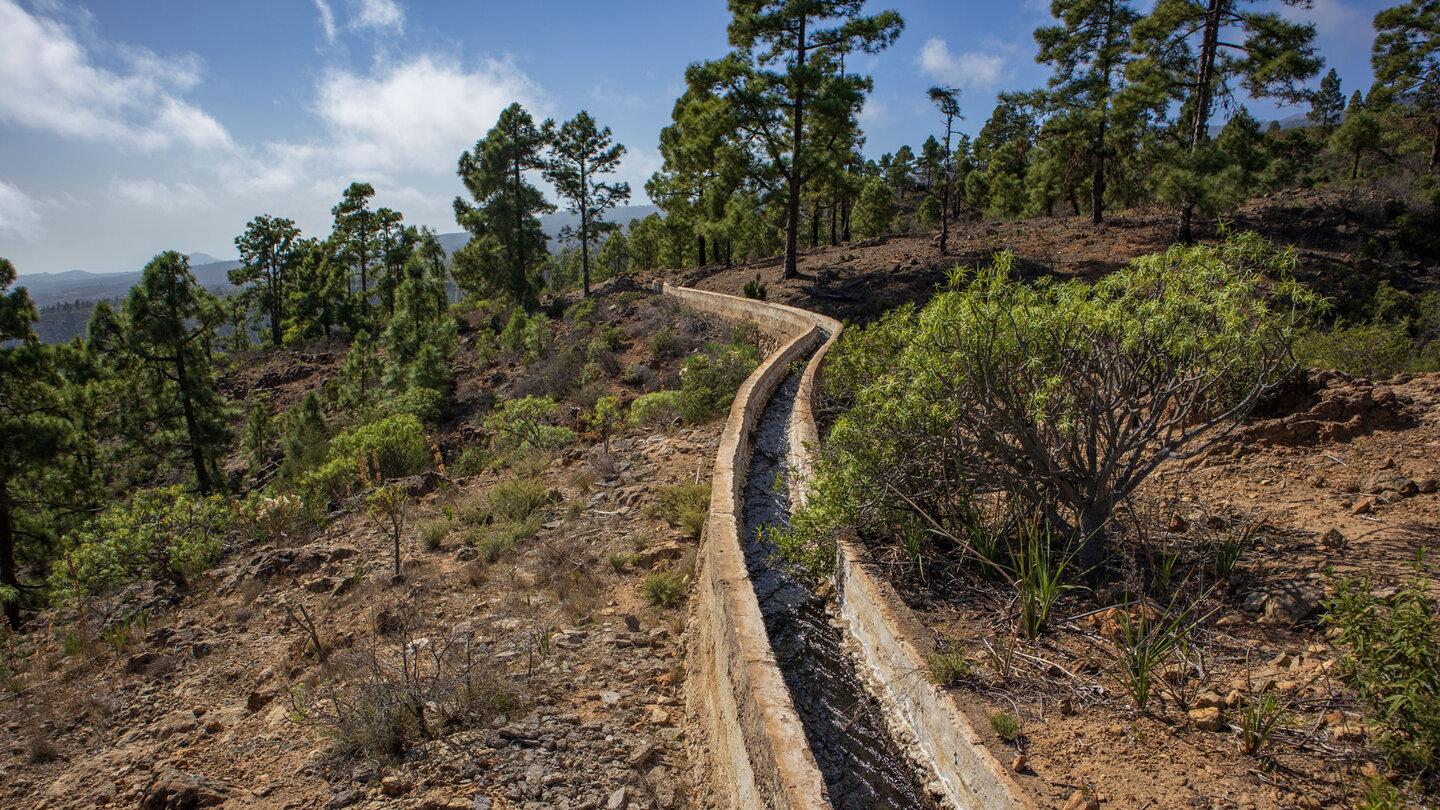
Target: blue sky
column 131, row 128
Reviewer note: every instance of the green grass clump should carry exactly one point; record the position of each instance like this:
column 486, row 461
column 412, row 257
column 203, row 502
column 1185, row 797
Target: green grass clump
column 685, row 506
column 664, row 588
column 949, row 667
column 516, row 499
column 432, row 533
column 1005, row 726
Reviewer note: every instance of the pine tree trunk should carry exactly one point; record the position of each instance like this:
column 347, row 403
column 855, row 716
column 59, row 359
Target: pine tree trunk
column 517, row 274
column 1097, row 181
column 792, row 228
column 1435, row 145
column 834, row 216
column 1209, row 46
column 700, row 247
column 9, row 575
column 1355, row 166
column 192, row 423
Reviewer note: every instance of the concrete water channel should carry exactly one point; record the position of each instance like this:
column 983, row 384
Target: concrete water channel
column 862, row 766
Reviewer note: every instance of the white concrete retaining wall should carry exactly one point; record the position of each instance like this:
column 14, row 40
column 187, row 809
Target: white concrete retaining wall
column 753, row 752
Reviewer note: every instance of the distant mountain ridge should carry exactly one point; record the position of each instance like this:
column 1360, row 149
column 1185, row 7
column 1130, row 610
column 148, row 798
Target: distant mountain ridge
column 84, row 288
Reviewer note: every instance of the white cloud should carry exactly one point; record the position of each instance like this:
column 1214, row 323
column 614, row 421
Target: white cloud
column 874, row 111
column 49, row 82
column 417, row 115
column 169, row 198
column 377, row 14
column 1335, row 19
column 967, row 70
column 327, row 20
column 19, row 214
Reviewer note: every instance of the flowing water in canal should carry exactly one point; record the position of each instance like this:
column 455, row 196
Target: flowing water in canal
column 863, row 768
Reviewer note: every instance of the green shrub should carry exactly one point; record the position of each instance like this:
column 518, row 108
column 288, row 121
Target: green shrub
column 656, row 410
column 755, row 289
column 949, row 667
column 662, row 344
column 685, row 506
column 710, row 379
column 516, row 499
column 1375, row 350
column 425, row 404
column 580, row 311
column 390, row 448
column 523, row 423
column 1005, row 726
column 432, row 533
column 998, row 384
column 472, row 461
column 1393, row 661
column 160, row 534
column 664, row 588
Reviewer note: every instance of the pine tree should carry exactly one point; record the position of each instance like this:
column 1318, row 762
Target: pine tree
column 33, row 434
column 1089, row 51
column 947, row 99
column 783, row 71
column 268, row 252
column 579, row 153
column 320, row 295
column 1328, row 103
column 307, row 438
column 875, row 213
column 168, row 323
column 614, row 257
column 360, row 374
column 355, row 239
column 1184, row 58
column 422, row 322
column 507, row 246
column 1406, row 59
column 1360, row 132
column 394, row 244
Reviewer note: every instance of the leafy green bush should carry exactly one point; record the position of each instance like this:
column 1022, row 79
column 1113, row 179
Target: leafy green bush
column 1005, row 726
column 656, row 410
column 1393, row 661
column 160, row 534
column 390, row 448
column 523, row 423
column 472, row 461
column 425, row 404
column 1375, row 350
column 1002, row 385
column 711, row 378
column 662, row 344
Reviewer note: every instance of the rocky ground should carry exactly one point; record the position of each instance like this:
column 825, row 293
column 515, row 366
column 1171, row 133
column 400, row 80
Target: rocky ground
column 221, row 699
column 200, row 708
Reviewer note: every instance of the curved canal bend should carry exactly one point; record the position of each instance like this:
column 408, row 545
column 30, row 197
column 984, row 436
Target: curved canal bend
column 862, row 766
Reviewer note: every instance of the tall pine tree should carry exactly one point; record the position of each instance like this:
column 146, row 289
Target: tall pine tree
column 1406, row 58
column 269, row 256
column 783, row 72
column 33, row 434
column 1184, row 57
column 580, row 153
column 1089, row 51
column 507, row 246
